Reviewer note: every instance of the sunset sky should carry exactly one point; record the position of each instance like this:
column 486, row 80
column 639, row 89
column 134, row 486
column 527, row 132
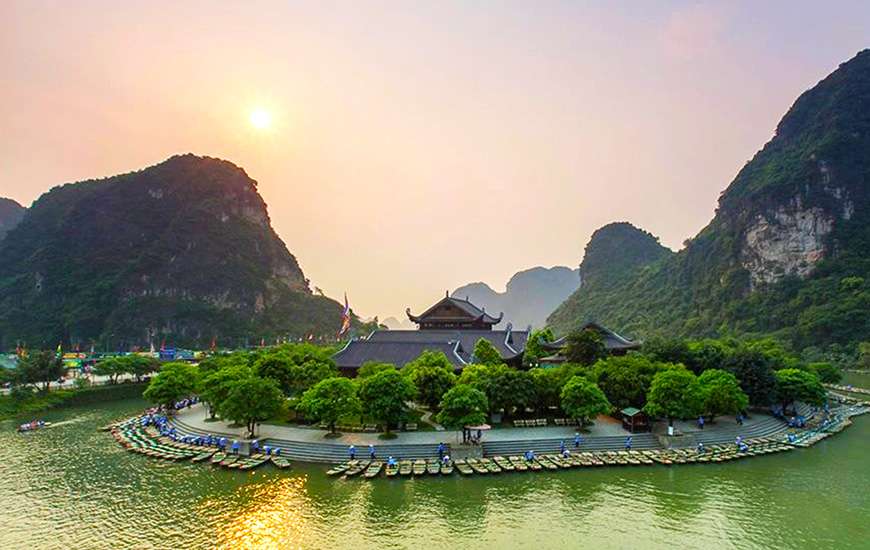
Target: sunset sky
column 405, row 148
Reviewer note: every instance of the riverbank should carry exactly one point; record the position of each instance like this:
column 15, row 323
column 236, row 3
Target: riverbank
column 12, row 406
column 113, row 499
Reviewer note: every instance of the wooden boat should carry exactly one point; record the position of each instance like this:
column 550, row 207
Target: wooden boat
column 338, row 468
column 373, row 469
column 433, row 467
column 503, row 463
column 229, row 460
column 518, row 463
column 280, row 462
column 558, row 461
column 419, row 467
column 446, row 468
column 392, row 469
column 542, row 460
column 490, row 465
column 477, row 466
column 33, row 427
column 203, row 456
column 357, row 468
column 463, row 467
column 406, row 467
column 218, row 456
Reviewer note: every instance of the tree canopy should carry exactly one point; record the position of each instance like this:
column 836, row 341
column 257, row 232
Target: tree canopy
column 174, row 382
column 215, row 386
column 674, row 393
column 626, row 380
column 432, row 376
column 798, row 385
column 535, row 346
column 384, row 397
column 373, row 367
column 40, row 368
column 251, row 400
column 755, row 374
column 330, row 400
column 461, row 406
column 485, row 353
column 722, row 393
column 583, row 400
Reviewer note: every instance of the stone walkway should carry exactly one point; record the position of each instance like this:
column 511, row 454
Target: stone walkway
column 310, row 444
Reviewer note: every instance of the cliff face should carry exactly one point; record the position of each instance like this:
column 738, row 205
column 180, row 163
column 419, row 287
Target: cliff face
column 789, row 230
column 182, row 251
column 11, row 214
column 529, row 295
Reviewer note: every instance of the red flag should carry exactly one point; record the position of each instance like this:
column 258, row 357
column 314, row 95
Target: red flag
column 345, row 318
column 213, row 343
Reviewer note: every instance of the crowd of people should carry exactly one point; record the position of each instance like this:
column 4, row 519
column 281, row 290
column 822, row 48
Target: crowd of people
column 154, row 417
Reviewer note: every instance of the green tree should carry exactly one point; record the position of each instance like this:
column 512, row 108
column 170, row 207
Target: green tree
column 864, row 355
column 798, row 385
column 828, row 373
column 40, row 368
column 509, row 389
column 755, row 374
column 140, row 366
column 174, row 382
column 707, row 354
column 313, row 371
column 535, row 349
column 251, row 400
column 330, row 400
column 626, row 380
column 722, row 393
column 113, row 367
column 384, row 397
column 548, row 386
column 583, row 400
column 215, row 386
column 585, row 347
column 278, row 366
column 462, row 406
column 674, row 393
column 432, row 375
column 370, row 368
column 667, row 350
column 486, row 354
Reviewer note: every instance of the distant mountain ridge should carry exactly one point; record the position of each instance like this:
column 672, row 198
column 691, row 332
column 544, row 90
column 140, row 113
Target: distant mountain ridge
column 182, row 251
column 788, row 251
column 529, row 295
column 11, row 214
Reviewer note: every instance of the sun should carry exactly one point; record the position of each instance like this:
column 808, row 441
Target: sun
column 260, row 119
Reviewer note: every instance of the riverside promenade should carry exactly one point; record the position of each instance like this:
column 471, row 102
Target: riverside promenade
column 310, row 444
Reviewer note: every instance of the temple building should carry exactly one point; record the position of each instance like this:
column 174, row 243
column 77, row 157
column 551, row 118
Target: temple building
column 614, row 344
column 451, row 326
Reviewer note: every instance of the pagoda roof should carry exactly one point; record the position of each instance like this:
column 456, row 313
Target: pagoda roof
column 612, row 340
column 471, row 311
column 358, row 352
column 508, row 342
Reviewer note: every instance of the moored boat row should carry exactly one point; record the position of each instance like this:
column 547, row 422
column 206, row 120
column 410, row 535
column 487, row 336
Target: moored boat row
column 146, row 440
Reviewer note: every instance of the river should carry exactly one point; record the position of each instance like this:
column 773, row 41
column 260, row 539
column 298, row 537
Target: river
column 71, row 486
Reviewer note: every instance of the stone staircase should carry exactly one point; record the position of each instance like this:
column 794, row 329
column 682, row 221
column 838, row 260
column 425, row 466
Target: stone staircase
column 551, row 445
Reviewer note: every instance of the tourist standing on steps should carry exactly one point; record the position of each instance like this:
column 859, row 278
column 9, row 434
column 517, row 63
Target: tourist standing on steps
column 737, row 441
column 372, row 452
column 701, row 422
column 628, row 443
column 562, row 446
column 441, row 449
column 577, row 440
column 700, row 448
column 352, row 452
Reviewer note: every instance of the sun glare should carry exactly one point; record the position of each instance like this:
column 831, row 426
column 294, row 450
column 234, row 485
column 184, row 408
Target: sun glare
column 260, row 119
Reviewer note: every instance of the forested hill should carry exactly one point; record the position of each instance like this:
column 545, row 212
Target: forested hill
column 10, row 215
column 788, row 251
column 181, row 252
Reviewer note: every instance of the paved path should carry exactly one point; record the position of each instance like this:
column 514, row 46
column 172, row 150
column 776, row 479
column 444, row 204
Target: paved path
column 310, row 444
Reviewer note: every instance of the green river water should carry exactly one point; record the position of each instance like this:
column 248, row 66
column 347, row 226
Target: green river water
column 71, row 486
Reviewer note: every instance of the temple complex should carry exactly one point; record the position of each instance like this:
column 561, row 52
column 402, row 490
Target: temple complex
column 451, row 326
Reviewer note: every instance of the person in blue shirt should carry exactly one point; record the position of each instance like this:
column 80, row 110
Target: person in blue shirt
column 577, row 440
column 372, row 452
column 628, row 443
column 738, row 441
column 701, row 422
column 235, row 446
column 267, row 449
column 391, row 461
column 566, row 453
column 255, row 446
column 562, row 446
column 445, row 460
column 441, row 449
column 700, row 448
column 530, row 456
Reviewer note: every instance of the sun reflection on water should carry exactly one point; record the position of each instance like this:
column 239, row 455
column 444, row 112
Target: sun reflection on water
column 271, row 515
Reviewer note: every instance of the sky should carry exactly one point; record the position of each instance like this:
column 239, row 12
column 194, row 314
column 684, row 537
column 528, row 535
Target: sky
column 412, row 147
